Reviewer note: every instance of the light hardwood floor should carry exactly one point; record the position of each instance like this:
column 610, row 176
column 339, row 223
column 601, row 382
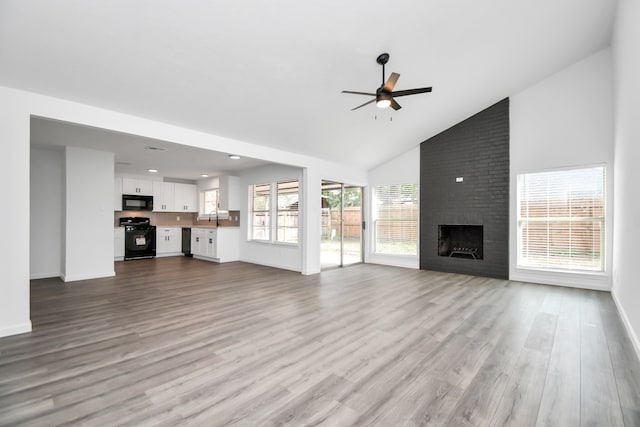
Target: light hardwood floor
column 177, row 341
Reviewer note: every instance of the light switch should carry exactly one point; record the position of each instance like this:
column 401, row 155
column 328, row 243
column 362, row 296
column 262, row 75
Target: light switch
column 459, row 179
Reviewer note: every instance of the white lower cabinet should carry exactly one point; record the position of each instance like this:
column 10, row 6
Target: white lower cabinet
column 118, row 244
column 215, row 244
column 168, row 241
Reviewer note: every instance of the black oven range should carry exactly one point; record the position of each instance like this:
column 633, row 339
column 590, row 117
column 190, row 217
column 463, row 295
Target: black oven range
column 139, row 238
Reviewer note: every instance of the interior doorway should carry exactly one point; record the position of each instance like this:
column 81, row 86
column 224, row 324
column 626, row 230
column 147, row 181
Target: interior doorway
column 341, row 239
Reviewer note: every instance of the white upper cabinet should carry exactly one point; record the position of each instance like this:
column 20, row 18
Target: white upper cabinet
column 230, row 193
column 186, row 198
column 164, row 196
column 139, row 187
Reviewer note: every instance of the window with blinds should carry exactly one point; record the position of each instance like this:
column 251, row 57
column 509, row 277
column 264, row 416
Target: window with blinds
column 561, row 219
column 260, row 212
column 287, row 212
column 208, row 203
column 395, row 219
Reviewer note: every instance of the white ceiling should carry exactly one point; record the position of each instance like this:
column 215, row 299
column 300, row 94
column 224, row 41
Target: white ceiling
column 271, row 72
column 134, row 155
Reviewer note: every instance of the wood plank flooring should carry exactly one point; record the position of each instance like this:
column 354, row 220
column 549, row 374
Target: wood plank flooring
column 177, row 341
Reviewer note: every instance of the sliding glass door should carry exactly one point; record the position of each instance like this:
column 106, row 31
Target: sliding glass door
column 341, row 238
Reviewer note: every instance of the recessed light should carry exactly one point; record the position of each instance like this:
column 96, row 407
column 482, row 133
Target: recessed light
column 234, row 157
column 204, row 175
column 152, row 170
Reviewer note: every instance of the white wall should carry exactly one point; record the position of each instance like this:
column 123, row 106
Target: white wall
column 403, row 169
column 279, row 255
column 14, row 214
column 626, row 234
column 16, row 109
column 89, row 214
column 564, row 121
column 46, row 239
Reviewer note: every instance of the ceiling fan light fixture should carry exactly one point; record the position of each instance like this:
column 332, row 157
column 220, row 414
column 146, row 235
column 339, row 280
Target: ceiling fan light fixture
column 383, row 103
column 383, row 99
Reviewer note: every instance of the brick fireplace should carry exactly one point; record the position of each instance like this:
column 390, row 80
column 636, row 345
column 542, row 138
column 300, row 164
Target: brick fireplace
column 464, row 186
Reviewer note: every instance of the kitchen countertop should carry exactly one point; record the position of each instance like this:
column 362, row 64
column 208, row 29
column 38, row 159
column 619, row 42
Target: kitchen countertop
column 196, row 226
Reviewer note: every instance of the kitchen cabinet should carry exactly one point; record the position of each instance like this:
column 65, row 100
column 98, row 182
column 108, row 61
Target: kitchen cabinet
column 215, row 244
column 117, row 194
column 230, row 194
column 168, row 241
column 118, row 244
column 228, row 240
column 185, row 198
column 163, row 196
column 204, row 243
column 139, row 187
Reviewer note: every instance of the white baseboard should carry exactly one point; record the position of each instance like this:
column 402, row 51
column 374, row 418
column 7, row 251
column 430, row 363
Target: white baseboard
column 21, row 328
column 625, row 321
column 37, row 276
column 405, row 261
column 75, row 278
column 594, row 282
column 281, row 267
column 162, row 255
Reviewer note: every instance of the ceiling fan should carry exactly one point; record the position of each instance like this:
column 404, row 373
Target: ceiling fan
column 384, row 94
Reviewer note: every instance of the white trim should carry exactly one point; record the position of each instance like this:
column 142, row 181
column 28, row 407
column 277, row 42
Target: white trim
column 21, row 328
column 281, row 267
column 625, row 321
column 78, row 277
column 44, row 275
column 597, row 282
column 405, row 261
column 166, row 254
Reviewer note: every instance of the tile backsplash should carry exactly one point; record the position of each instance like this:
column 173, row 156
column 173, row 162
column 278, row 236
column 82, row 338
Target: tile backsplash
column 189, row 219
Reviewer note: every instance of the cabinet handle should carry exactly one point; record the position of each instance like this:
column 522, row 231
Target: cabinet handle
column 210, row 240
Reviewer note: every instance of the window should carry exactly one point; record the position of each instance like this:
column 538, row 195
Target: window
column 260, row 212
column 209, row 203
column 287, row 214
column 395, row 216
column 561, row 219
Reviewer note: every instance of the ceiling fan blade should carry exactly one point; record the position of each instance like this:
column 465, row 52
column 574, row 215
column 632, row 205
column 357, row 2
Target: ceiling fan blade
column 366, row 103
column 359, row 93
column 395, row 105
column 391, row 82
column 410, row 91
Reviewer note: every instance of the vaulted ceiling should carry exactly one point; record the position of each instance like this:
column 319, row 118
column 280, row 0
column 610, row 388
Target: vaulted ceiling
column 271, row 72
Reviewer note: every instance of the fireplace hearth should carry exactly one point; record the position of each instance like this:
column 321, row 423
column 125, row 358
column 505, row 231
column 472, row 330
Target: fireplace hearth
column 461, row 241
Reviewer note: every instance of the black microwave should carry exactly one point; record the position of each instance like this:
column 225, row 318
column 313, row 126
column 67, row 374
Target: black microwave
column 131, row 202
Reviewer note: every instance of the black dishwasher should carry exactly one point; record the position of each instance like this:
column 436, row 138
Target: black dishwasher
column 186, row 241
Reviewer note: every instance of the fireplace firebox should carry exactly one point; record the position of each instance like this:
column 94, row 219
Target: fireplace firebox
column 460, row 241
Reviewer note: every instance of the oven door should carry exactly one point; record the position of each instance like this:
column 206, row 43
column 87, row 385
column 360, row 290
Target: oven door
column 139, row 243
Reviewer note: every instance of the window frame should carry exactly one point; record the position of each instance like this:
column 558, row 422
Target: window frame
column 202, row 214
column 266, row 211
column 375, row 219
column 287, row 213
column 603, row 221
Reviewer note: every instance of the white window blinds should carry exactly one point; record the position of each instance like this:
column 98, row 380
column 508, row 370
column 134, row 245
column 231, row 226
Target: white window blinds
column 561, row 219
column 395, row 215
